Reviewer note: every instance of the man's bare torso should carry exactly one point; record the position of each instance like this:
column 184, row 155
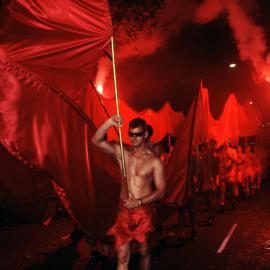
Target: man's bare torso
column 140, row 172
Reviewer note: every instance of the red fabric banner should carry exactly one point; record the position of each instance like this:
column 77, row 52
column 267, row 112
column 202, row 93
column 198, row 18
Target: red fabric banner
column 199, row 127
column 48, row 52
column 194, row 130
column 61, row 40
column 163, row 121
column 23, row 191
column 177, row 170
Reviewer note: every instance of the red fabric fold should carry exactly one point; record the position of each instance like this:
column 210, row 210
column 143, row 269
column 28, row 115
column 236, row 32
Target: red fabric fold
column 132, row 224
column 199, row 127
column 48, row 132
column 61, row 40
column 163, row 121
column 49, row 50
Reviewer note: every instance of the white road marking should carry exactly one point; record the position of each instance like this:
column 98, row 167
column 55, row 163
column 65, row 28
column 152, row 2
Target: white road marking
column 226, row 239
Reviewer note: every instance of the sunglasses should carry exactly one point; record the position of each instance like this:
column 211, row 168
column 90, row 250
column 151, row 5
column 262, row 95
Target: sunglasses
column 135, row 134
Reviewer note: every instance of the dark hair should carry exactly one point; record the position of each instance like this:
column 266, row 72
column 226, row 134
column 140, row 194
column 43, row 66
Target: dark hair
column 201, row 146
column 149, row 130
column 137, row 122
column 213, row 141
column 222, row 147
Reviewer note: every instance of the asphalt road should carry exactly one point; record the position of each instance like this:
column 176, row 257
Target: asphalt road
column 247, row 248
column 247, row 228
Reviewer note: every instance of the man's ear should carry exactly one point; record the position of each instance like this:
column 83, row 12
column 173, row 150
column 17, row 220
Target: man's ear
column 146, row 134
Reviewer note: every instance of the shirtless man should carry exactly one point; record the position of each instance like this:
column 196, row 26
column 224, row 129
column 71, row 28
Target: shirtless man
column 146, row 185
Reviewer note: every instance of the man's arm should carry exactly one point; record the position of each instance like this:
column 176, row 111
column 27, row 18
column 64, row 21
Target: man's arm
column 159, row 181
column 157, row 149
column 99, row 137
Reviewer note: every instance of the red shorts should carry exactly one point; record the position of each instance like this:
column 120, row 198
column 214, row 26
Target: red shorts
column 132, row 224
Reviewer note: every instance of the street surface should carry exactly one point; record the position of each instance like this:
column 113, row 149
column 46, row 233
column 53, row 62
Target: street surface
column 238, row 240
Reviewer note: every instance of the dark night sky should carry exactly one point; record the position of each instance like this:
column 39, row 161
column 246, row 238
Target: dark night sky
column 199, row 51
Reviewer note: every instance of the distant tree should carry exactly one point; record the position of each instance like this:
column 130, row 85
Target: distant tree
column 135, row 16
column 2, row 3
column 131, row 15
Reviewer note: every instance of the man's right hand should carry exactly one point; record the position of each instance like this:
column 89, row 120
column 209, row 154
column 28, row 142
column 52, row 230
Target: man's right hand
column 116, row 121
column 99, row 137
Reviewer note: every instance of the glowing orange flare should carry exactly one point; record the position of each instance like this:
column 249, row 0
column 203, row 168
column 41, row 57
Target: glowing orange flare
column 267, row 78
column 232, row 65
column 100, row 89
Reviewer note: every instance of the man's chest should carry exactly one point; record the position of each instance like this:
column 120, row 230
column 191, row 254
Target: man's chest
column 141, row 167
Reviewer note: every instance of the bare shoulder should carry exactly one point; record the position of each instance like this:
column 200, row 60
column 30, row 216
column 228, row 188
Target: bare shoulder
column 157, row 162
column 154, row 159
column 126, row 149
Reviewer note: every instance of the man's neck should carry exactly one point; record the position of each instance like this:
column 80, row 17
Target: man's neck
column 138, row 150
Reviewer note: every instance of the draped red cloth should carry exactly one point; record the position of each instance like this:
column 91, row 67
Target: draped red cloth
column 49, row 50
column 199, row 127
column 177, row 170
column 193, row 131
column 61, row 40
column 235, row 121
column 163, row 121
column 22, row 190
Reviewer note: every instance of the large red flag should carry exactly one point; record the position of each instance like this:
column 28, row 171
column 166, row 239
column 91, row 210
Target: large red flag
column 193, row 131
column 49, row 50
column 199, row 127
column 61, row 40
column 163, row 121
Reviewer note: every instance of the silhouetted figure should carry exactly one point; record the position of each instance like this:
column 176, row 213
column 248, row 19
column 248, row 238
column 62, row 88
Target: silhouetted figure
column 189, row 205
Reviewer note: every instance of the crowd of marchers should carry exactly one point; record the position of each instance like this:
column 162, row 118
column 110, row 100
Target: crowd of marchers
column 223, row 175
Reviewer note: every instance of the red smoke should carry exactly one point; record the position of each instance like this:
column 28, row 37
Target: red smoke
column 249, row 37
column 170, row 21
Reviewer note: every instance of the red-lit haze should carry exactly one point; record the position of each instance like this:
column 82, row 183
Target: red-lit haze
column 249, row 37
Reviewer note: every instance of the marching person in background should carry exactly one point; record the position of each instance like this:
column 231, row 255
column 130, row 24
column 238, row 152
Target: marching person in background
column 214, row 160
column 146, row 185
column 189, row 205
column 258, row 166
column 241, row 169
column 156, row 148
column 208, row 172
column 228, row 176
column 250, row 170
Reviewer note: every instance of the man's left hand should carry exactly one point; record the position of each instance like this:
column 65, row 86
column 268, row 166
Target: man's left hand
column 132, row 203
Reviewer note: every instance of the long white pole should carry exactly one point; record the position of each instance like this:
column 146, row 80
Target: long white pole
column 118, row 111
